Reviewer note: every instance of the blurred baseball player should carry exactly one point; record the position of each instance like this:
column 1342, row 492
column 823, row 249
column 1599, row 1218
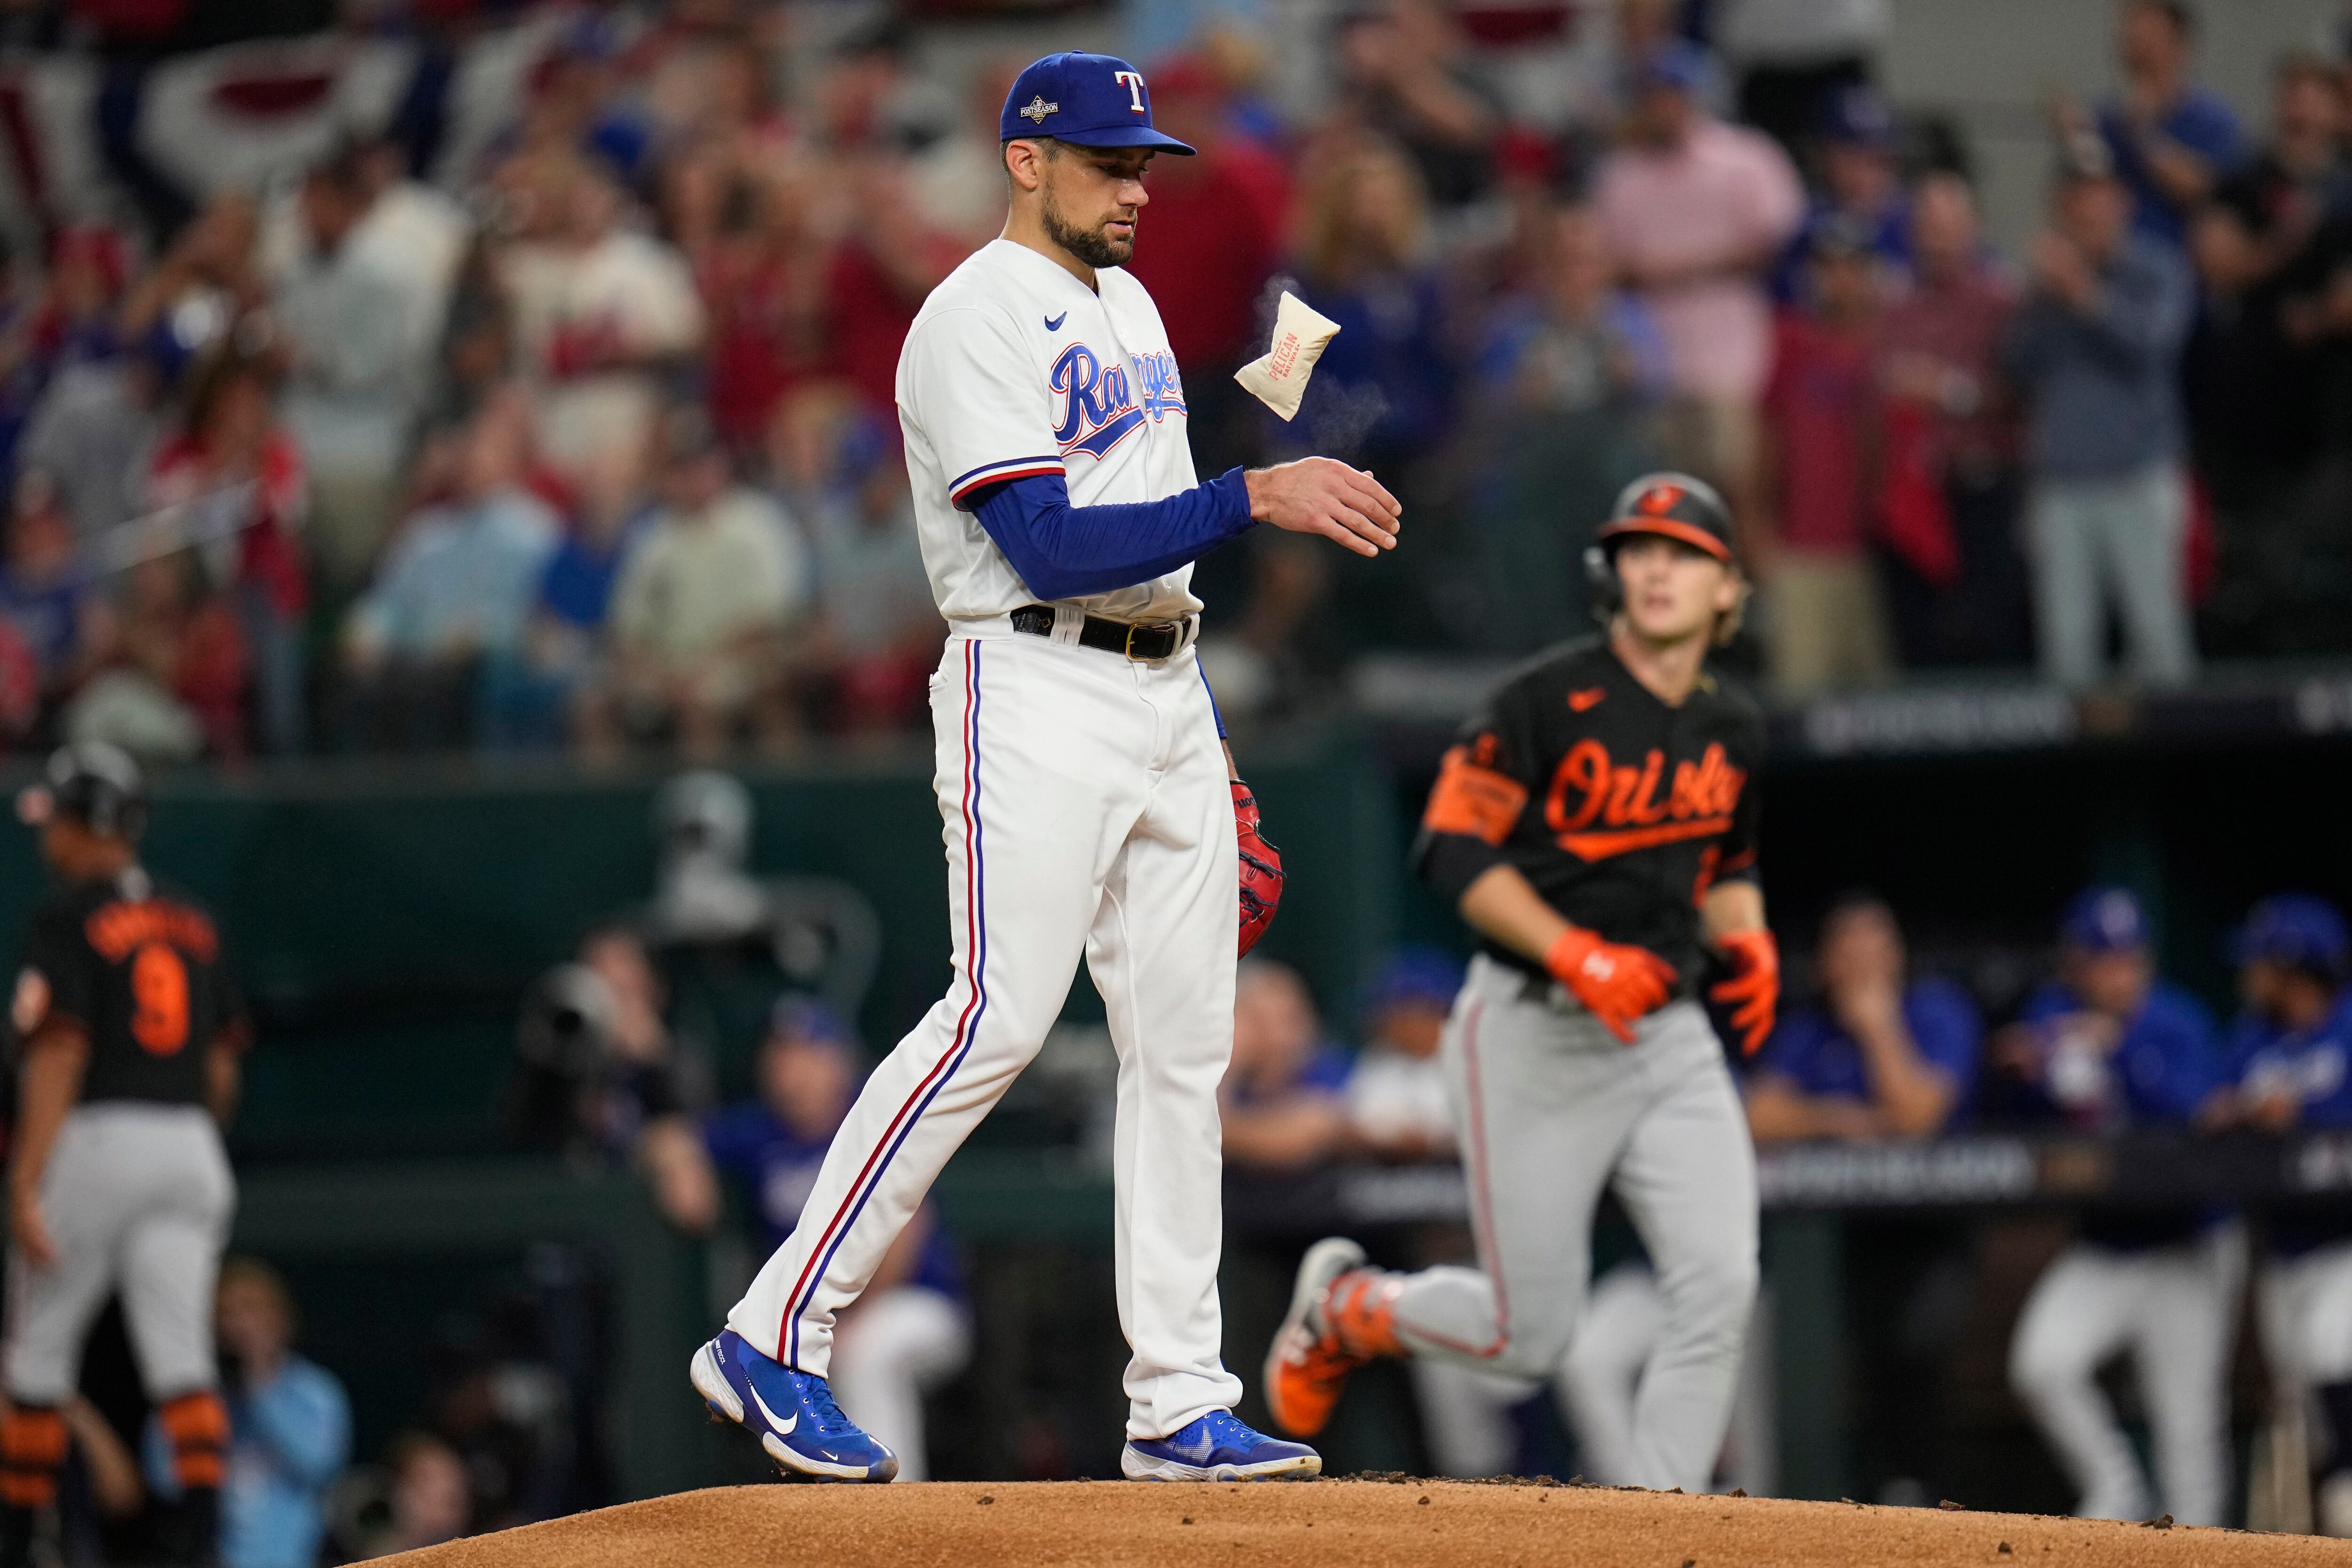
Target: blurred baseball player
column 2105, row 1047
column 1089, row 807
column 117, row 1180
column 2291, row 1060
column 1597, row 825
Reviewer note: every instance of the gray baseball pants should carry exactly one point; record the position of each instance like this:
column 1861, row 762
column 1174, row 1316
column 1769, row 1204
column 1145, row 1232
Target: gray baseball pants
column 137, row 1198
column 1549, row 1107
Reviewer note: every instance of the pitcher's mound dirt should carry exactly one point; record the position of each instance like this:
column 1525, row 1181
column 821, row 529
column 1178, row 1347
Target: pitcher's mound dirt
column 1342, row 1523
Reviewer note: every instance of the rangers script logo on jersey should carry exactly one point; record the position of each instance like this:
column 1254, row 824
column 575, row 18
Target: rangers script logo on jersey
column 1097, row 404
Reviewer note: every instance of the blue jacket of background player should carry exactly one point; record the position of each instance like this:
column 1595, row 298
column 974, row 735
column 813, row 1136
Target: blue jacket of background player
column 2313, row 1067
column 2163, row 1069
column 2168, row 1063
column 747, row 1141
column 1815, row 1054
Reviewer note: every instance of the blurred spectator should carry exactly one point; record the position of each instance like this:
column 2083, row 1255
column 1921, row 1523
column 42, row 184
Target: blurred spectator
column 604, row 1079
column 1566, row 375
column 349, row 394
column 45, row 596
column 2094, row 352
column 1881, row 1055
column 1694, row 211
column 241, row 479
column 910, row 1333
column 453, row 593
column 2173, row 139
column 875, row 637
column 289, row 1428
column 1947, row 497
column 531, row 689
column 702, row 611
column 89, row 268
column 1383, row 391
column 1216, row 234
column 601, row 313
column 418, row 237
column 1398, row 1104
column 1284, row 1097
column 1827, row 627
column 431, row 1500
column 1404, row 73
column 2254, row 386
column 762, row 276
column 171, row 668
column 94, row 432
column 206, row 281
column 878, row 277
column 1861, row 186
column 1797, row 57
column 2103, row 1047
column 2291, row 1060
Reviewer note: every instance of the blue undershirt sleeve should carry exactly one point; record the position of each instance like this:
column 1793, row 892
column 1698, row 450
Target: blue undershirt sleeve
column 1064, row 551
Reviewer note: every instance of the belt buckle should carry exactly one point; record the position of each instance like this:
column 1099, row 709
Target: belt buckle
column 1128, row 647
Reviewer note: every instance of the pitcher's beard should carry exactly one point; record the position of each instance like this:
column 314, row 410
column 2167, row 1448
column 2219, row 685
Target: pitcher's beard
column 1092, row 247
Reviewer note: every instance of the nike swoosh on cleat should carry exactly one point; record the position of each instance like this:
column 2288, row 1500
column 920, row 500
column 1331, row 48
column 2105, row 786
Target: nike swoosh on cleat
column 1054, row 324
column 783, row 1427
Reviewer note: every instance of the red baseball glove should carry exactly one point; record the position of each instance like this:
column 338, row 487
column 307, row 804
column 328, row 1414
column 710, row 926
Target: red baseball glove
column 1617, row 982
column 1262, row 876
column 1753, row 992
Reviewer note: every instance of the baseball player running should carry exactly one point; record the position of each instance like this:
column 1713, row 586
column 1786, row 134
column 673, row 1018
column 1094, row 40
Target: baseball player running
column 1597, row 825
column 2291, row 1059
column 117, row 1180
column 1089, row 807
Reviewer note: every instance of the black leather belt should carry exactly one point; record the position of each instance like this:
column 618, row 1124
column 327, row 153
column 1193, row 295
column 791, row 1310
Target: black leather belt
column 1149, row 644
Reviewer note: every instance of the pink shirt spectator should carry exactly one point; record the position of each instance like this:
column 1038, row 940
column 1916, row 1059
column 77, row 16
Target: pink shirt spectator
column 1725, row 198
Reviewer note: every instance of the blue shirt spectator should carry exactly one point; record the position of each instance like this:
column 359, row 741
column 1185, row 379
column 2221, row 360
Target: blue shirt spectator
column 577, row 585
column 2172, row 138
column 461, row 579
column 289, row 1429
column 1878, row 1055
column 1282, row 1101
column 774, row 1144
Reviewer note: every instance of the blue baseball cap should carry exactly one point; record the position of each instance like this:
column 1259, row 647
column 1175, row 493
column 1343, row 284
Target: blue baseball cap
column 2298, row 931
column 1413, row 974
column 2104, row 920
column 1859, row 117
column 1678, row 63
column 1088, row 101
column 799, row 1018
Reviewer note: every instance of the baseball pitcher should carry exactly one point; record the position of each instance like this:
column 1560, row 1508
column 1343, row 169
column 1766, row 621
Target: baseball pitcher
column 1089, row 807
column 1597, row 825
column 117, row 1180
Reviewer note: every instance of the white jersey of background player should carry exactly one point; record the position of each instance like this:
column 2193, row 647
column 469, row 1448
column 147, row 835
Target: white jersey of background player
column 1086, row 797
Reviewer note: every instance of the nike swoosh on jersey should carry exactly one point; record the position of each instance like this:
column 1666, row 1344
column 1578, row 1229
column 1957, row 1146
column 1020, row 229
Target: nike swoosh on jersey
column 783, row 1428
column 1054, row 324
column 1580, row 701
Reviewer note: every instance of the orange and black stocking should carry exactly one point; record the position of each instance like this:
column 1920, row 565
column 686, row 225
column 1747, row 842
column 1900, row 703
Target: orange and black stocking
column 196, row 1426
column 32, row 1452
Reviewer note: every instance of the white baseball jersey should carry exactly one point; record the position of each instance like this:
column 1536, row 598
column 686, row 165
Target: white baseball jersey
column 1014, row 368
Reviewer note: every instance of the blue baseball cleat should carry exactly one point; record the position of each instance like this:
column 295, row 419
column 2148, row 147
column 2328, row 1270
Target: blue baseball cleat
column 792, row 1413
column 1218, row 1447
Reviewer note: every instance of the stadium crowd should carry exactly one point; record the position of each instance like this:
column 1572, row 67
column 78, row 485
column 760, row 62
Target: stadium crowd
column 562, row 418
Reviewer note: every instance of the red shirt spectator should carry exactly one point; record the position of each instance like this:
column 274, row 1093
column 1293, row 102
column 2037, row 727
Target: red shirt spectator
column 1818, row 403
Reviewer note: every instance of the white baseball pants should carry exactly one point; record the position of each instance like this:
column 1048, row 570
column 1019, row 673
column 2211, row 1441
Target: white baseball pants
column 137, row 1198
column 2306, row 1317
column 1549, row 1107
column 2174, row 1309
column 1087, row 812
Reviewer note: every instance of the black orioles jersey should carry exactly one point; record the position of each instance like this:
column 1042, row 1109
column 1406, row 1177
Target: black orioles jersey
column 1623, row 812
column 139, row 969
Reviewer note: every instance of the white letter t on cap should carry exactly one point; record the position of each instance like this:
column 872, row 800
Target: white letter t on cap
column 1133, row 80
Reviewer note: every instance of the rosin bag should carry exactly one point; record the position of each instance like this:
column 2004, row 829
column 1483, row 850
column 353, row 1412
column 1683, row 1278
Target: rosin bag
column 1278, row 378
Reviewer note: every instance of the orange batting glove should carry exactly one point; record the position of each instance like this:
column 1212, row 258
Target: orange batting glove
column 1617, row 982
column 1753, row 992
